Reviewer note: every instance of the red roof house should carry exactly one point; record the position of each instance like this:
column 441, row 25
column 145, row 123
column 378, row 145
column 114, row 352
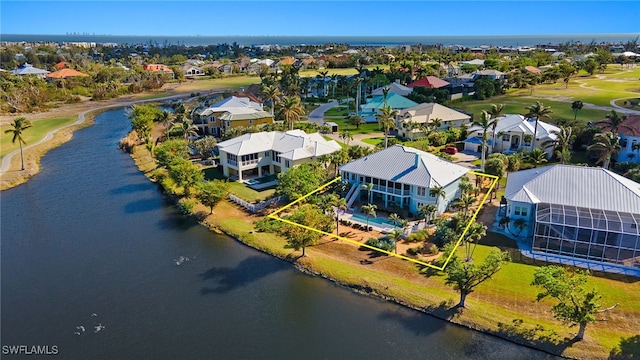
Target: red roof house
column 429, row 82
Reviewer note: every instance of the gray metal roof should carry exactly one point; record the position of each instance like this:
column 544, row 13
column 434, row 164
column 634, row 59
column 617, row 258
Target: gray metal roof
column 581, row 186
column 407, row 165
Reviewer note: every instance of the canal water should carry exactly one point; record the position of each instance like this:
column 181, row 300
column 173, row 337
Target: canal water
column 96, row 263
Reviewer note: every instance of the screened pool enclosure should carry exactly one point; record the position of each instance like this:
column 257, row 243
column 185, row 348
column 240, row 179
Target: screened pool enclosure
column 600, row 235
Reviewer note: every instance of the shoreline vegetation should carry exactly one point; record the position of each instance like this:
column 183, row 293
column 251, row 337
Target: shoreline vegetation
column 514, row 319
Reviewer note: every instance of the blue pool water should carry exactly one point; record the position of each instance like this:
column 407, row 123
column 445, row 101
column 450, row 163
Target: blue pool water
column 372, row 221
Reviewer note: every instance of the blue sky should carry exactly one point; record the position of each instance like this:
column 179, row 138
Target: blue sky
column 302, row 18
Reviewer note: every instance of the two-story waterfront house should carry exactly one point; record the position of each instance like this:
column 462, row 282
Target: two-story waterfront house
column 403, row 176
column 228, row 113
column 273, row 152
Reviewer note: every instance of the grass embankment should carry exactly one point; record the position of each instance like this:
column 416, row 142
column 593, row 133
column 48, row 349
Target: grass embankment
column 504, row 306
column 240, row 189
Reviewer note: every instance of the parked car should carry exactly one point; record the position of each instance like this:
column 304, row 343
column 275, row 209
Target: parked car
column 449, row 150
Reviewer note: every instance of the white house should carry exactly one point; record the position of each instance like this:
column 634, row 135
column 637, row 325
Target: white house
column 513, row 133
column 191, row 70
column 394, row 88
column 577, row 211
column 231, row 112
column 403, row 176
column 426, row 113
column 265, row 153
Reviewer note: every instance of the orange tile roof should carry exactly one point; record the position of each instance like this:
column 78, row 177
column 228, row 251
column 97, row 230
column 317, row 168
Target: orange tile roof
column 287, row 61
column 532, row 69
column 65, row 73
column 157, row 67
column 61, row 65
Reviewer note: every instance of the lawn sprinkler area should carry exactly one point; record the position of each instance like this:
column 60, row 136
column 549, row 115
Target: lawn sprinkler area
column 274, row 215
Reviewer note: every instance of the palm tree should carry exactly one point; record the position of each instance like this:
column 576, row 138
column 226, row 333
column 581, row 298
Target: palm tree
column 187, row 129
column 465, row 187
column 475, row 232
column 339, row 204
column 291, row 110
column 412, row 125
column 386, row 118
column 271, row 93
column 495, row 112
column 370, row 211
column 427, row 211
column 536, row 157
column 18, row 126
column 167, row 122
column 437, row 192
column 397, row 235
column 466, row 201
column 614, row 122
column 395, row 218
column 537, row 111
column 369, row 188
column 607, row 144
column 485, row 124
column 576, row 106
column 564, row 138
column 346, row 136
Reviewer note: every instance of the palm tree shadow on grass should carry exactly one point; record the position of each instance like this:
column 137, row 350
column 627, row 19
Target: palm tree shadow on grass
column 249, row 270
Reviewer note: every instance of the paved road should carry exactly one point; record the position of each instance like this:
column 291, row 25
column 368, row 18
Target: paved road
column 6, row 161
column 317, row 115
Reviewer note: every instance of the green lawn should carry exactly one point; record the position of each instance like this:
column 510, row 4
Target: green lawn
column 345, row 124
column 345, row 71
column 338, row 111
column 517, row 105
column 32, row 134
column 239, row 189
column 373, row 140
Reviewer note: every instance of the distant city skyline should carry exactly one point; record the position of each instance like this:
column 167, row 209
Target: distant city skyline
column 325, row 18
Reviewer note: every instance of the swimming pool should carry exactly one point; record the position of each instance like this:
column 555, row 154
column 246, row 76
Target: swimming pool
column 382, row 222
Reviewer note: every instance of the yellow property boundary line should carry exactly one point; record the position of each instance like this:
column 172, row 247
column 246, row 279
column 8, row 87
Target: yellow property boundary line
column 274, row 215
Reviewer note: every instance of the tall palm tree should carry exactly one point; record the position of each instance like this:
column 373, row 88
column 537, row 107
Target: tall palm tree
column 495, row 111
column 576, row 106
column 564, row 138
column 370, row 211
column 437, row 192
column 411, row 126
column 167, row 122
column 613, row 123
column 537, row 111
column 386, row 118
column 272, row 94
column 346, row 136
column 291, row 109
column 338, row 204
column 485, row 123
column 18, row 126
column 368, row 188
column 606, row 144
column 466, row 201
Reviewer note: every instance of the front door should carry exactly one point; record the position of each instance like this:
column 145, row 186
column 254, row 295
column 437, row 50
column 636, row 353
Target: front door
column 515, row 142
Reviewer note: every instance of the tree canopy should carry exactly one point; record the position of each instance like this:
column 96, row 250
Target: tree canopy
column 301, row 180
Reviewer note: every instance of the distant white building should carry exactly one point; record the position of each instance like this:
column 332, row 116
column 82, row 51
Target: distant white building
column 513, row 133
column 265, row 153
column 578, row 212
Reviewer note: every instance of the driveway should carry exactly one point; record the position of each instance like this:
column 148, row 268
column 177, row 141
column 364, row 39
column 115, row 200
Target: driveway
column 317, row 115
column 466, row 159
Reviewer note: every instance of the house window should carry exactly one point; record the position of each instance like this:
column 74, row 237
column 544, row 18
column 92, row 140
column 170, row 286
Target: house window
column 521, row 211
column 267, row 154
column 227, row 123
column 506, row 137
column 353, row 177
column 422, row 191
column 276, row 156
column 232, row 159
column 250, row 122
column 287, row 164
column 624, row 142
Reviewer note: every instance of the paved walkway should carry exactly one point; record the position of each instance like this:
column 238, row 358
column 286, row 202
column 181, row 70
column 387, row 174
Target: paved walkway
column 6, row 160
column 357, row 138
